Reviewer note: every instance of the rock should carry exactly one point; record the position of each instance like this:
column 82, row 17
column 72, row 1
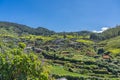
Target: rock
column 61, row 79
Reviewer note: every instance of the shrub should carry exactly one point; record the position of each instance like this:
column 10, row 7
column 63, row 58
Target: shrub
column 22, row 45
column 21, row 67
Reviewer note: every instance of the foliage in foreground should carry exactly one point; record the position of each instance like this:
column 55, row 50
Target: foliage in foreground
column 15, row 65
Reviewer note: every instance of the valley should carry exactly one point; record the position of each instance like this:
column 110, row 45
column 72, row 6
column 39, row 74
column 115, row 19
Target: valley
column 72, row 55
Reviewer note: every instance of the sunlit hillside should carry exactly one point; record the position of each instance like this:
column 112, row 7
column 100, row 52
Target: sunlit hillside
column 40, row 54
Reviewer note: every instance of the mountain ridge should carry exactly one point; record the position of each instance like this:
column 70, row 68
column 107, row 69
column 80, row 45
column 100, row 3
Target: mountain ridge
column 20, row 29
column 27, row 29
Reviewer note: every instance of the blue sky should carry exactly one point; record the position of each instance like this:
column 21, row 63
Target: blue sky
column 62, row 15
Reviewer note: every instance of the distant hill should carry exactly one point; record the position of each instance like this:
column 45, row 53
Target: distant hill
column 110, row 33
column 20, row 29
column 80, row 33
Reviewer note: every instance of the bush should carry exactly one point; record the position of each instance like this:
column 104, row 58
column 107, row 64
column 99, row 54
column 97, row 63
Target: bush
column 21, row 67
column 22, row 45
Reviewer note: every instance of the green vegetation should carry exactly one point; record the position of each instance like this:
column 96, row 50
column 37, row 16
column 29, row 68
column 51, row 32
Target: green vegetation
column 112, row 45
column 16, row 65
column 85, row 41
column 59, row 70
column 40, row 54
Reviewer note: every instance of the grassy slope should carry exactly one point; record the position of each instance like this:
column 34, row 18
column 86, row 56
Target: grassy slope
column 59, row 70
column 112, row 45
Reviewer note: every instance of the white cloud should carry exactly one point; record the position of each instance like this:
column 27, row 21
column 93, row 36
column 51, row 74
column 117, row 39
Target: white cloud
column 102, row 29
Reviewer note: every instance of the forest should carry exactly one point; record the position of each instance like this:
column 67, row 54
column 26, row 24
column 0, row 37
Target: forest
column 28, row 53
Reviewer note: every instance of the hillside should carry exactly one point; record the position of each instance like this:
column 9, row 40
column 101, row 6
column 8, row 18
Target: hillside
column 107, row 34
column 25, row 51
column 21, row 29
column 112, row 45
